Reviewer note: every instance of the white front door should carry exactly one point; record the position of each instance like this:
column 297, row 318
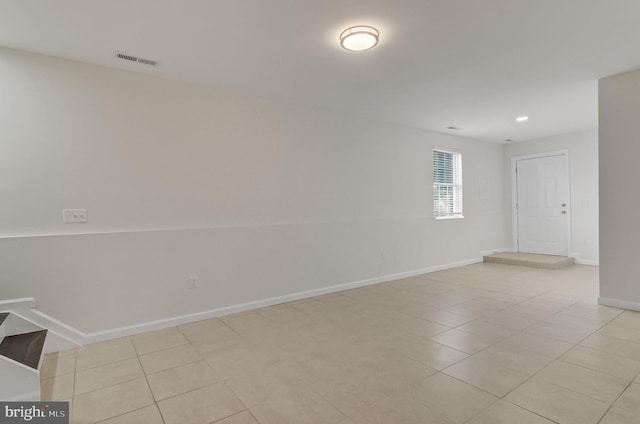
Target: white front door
column 542, row 205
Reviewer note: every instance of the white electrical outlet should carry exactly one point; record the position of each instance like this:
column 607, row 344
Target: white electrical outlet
column 74, row 216
column 194, row 282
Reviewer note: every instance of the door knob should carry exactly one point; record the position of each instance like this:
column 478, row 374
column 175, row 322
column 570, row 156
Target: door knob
column 563, row 205
column 563, row 212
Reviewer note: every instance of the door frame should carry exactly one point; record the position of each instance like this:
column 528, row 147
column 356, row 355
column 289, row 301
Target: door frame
column 514, row 194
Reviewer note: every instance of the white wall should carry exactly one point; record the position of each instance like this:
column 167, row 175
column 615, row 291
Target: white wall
column 258, row 199
column 619, row 110
column 583, row 175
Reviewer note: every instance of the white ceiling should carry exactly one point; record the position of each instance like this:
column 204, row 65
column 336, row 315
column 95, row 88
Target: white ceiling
column 474, row 64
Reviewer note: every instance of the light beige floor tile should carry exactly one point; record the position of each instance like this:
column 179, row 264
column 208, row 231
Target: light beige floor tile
column 334, row 299
column 399, row 408
column 468, row 310
column 349, row 396
column 620, row 416
column 621, row 331
column 443, row 317
column 371, row 380
column 462, row 341
column 602, row 314
column 574, row 321
column 503, row 412
column 274, row 380
column 607, row 363
column 491, row 330
column 182, row 379
column 201, row 406
column 395, row 370
column 421, row 327
column 244, row 417
column 146, row 415
column 595, row 384
column 112, row 401
column 58, row 365
column 613, row 345
column 536, row 344
column 559, row 332
column 309, row 306
column 510, row 320
column 284, row 316
column 249, row 321
column 57, row 388
column 107, row 375
column 515, row 359
column 60, row 353
column 316, row 360
column 536, row 309
column 352, row 321
column 107, row 344
column 450, row 398
column 628, row 318
column 207, row 331
column 305, row 407
column 630, row 399
column 557, row 403
column 432, row 354
column 169, row 358
column 243, row 358
column 490, row 303
column 386, row 337
column 154, row 341
column 103, row 353
column 486, row 375
column 563, row 300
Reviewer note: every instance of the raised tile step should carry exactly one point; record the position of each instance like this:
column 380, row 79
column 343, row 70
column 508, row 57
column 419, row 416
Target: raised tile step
column 530, row 259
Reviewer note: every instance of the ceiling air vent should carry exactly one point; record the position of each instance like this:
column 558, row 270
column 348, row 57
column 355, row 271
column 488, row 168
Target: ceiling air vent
column 132, row 58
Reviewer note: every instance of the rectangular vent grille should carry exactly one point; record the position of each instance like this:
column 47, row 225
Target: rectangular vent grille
column 131, row 58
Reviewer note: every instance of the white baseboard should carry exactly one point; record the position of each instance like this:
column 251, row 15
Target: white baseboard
column 227, row 310
column 587, row 262
column 578, row 260
column 77, row 337
column 500, row 250
column 617, row 303
column 12, row 304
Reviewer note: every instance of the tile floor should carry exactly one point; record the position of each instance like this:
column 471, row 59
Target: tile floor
column 481, row 344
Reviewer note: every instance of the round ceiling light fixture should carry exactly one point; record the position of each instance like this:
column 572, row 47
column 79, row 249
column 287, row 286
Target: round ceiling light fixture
column 359, row 38
column 522, row 118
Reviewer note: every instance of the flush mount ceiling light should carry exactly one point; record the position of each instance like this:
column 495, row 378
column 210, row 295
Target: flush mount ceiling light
column 522, row 118
column 359, row 38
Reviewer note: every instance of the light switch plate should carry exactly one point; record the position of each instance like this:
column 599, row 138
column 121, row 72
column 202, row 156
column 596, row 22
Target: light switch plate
column 74, row 216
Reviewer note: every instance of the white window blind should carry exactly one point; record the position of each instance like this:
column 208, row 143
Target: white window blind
column 447, row 184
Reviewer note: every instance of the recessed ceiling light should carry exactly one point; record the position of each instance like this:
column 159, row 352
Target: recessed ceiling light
column 359, row 38
column 522, row 118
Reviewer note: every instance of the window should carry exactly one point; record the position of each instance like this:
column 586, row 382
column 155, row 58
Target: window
column 447, row 184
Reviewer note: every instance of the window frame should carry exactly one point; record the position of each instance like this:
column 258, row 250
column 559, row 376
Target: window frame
column 457, row 186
